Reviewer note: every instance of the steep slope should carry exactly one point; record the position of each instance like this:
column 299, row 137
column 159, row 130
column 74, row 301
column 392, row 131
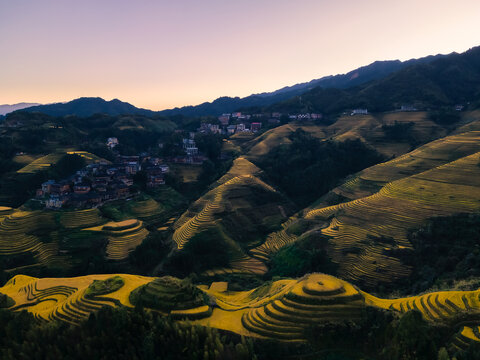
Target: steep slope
column 38, row 238
column 368, row 231
column 362, row 75
column 449, row 80
column 371, row 129
column 240, row 205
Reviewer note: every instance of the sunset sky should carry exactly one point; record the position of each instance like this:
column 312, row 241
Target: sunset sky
column 159, row 54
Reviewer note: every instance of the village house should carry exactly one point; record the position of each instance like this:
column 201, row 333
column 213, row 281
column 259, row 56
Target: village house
column 359, row 112
column 59, row 188
column 231, row 129
column 240, row 127
column 132, row 167
column 81, row 188
column 224, row 119
column 255, row 126
column 190, row 147
column 407, row 107
column 155, row 180
column 56, row 201
column 112, row 142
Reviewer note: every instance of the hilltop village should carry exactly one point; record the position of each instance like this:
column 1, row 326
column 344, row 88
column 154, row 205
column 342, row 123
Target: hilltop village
column 104, row 181
column 98, row 183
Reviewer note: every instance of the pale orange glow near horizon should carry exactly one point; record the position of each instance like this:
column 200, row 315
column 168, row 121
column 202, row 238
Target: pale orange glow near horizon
column 162, row 54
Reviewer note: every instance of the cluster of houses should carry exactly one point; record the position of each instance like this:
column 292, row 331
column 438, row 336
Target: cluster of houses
column 238, row 122
column 97, row 183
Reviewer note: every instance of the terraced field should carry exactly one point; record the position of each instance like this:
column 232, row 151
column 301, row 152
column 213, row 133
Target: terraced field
column 46, row 161
column 275, row 241
column 174, row 297
column 261, row 145
column 148, row 210
column 42, row 163
column 280, row 310
column 21, row 232
column 284, row 309
column 365, row 231
column 386, row 200
column 123, row 237
column 17, row 235
column 80, row 218
column 67, row 299
column 429, row 156
column 236, row 192
column 368, row 128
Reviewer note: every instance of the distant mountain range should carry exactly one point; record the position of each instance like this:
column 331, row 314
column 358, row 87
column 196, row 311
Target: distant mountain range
column 5, row 109
column 382, row 85
column 444, row 81
column 362, row 75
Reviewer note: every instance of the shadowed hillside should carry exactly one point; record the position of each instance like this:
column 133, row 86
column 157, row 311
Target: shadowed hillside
column 232, row 216
column 368, row 228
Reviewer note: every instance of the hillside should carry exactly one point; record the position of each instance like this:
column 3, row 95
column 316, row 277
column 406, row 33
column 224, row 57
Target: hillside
column 445, row 81
column 232, row 217
column 362, row 75
column 391, row 134
column 85, row 107
column 368, row 228
column 283, row 310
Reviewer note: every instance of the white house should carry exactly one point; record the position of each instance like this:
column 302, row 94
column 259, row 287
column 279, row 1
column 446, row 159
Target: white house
column 359, row 112
column 112, row 142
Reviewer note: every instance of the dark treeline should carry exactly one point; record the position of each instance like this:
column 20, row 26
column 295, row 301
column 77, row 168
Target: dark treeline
column 308, row 168
column 131, row 334
column 445, row 250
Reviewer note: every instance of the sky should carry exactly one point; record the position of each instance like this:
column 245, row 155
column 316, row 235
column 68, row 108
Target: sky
column 160, row 54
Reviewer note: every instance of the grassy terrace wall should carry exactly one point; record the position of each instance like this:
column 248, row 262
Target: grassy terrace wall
column 123, row 237
column 369, row 232
column 32, row 238
column 233, row 206
column 282, row 310
column 172, row 296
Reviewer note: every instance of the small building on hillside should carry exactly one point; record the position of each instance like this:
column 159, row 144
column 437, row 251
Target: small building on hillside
column 47, row 185
column 359, row 112
column 112, row 142
column 190, row 147
column 155, row 180
column 407, row 107
column 255, row 126
column 81, row 188
column 60, row 188
column 231, row 129
column 56, row 201
column 224, row 119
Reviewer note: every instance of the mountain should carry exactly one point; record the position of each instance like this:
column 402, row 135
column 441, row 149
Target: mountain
column 445, row 81
column 87, row 106
column 362, row 75
column 5, row 109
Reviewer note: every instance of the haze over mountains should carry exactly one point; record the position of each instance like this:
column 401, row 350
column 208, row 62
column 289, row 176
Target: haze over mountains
column 88, row 106
column 5, row 109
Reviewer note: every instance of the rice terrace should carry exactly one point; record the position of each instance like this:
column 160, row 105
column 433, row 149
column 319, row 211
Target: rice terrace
column 288, row 180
